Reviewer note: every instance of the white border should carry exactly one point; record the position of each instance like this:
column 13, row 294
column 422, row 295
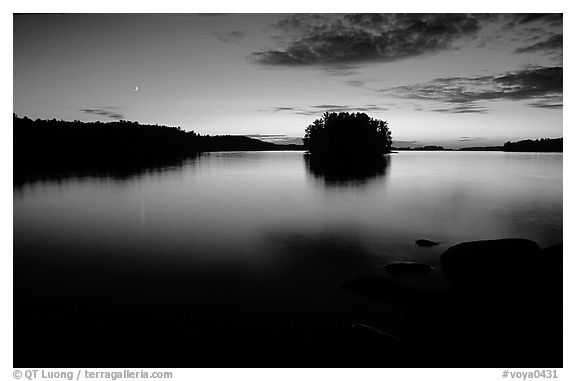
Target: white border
column 259, row 6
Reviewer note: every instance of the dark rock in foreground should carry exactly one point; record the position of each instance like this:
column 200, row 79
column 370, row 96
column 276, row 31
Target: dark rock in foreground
column 426, row 243
column 407, row 268
column 385, row 289
column 504, row 310
column 552, row 257
column 551, row 273
column 491, row 263
column 478, row 331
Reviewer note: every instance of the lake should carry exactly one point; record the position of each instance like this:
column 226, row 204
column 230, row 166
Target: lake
column 238, row 256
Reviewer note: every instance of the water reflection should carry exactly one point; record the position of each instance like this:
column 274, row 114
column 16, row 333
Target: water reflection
column 347, row 171
column 118, row 173
column 231, row 248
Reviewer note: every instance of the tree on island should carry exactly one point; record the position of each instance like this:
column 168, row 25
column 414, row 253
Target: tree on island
column 348, row 135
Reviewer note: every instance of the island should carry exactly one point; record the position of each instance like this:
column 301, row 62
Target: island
column 348, row 135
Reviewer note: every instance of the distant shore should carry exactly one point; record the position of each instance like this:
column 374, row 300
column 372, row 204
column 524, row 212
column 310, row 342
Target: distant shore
column 47, row 145
column 538, row 145
column 41, row 146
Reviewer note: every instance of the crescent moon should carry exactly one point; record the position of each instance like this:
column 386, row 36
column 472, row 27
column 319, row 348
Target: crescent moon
column 136, row 88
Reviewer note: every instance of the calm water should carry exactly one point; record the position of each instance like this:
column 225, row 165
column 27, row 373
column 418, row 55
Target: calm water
column 255, row 244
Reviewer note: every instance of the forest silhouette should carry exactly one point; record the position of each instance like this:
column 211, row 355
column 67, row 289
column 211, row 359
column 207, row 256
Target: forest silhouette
column 41, row 145
column 538, row 145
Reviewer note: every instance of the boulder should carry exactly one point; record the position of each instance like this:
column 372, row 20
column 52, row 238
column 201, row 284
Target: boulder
column 551, row 273
column 426, row 243
column 451, row 329
column 491, row 263
column 552, row 257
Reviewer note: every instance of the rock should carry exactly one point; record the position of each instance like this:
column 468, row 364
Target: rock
column 552, row 275
column 491, row 263
column 552, row 256
column 406, row 268
column 385, row 289
column 451, row 329
column 426, row 243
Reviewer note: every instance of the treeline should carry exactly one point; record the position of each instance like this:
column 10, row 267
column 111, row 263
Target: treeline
column 423, row 148
column 41, row 144
column 539, row 145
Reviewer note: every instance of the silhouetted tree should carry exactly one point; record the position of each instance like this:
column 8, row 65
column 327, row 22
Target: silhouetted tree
column 348, row 135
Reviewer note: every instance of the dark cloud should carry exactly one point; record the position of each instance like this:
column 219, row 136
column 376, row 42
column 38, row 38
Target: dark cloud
column 355, row 83
column 356, row 38
column 233, row 36
column 470, row 139
column 330, row 106
column 469, row 108
column 541, row 82
column 526, row 18
column 541, row 85
column 212, row 14
column 276, row 138
column 103, row 112
column 319, row 109
column 520, row 29
column 551, row 103
column 301, row 23
column 551, row 45
column 278, row 109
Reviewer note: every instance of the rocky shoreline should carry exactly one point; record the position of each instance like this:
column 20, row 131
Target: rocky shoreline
column 503, row 308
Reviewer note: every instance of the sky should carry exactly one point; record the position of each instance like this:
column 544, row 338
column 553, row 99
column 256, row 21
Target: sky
column 455, row 80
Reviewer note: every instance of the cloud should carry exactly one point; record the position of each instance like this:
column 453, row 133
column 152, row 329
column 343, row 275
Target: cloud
column 551, row 103
column 541, row 85
column 277, row 138
column 233, row 36
column 470, row 139
column 103, row 112
column 334, row 40
column 551, row 45
column 320, row 109
column 554, row 19
column 355, row 83
column 304, row 22
column 212, row 14
column 469, row 108
column 278, row 109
